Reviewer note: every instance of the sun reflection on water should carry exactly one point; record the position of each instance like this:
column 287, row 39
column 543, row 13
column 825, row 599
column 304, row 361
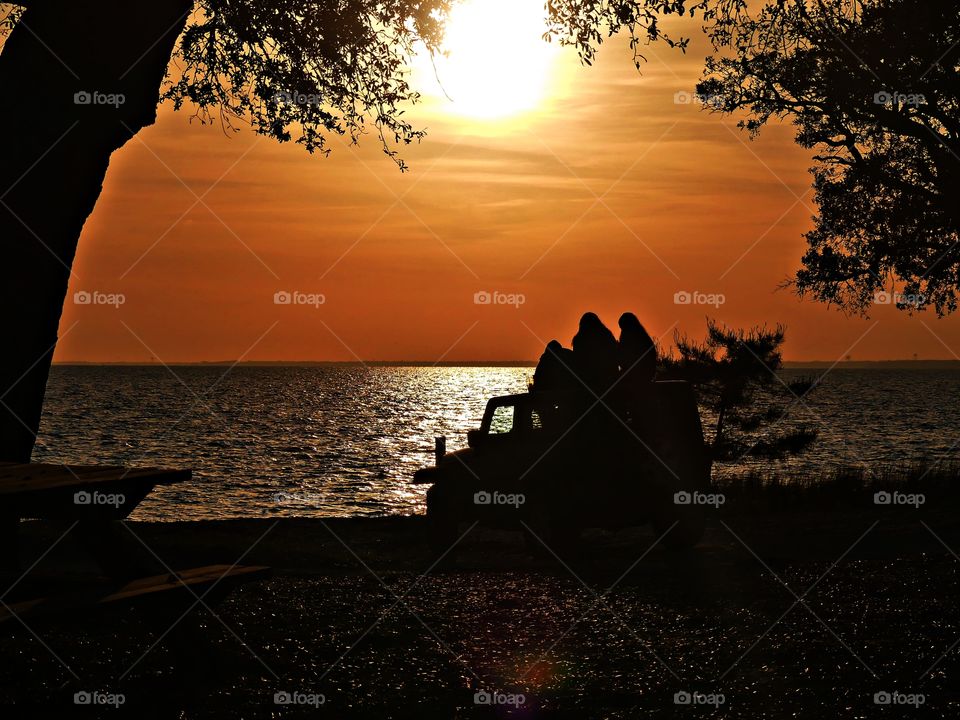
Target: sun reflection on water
column 333, row 440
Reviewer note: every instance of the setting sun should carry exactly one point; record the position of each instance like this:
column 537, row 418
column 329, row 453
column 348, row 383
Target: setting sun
column 495, row 63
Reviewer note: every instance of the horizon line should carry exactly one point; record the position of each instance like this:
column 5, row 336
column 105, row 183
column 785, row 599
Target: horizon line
column 454, row 363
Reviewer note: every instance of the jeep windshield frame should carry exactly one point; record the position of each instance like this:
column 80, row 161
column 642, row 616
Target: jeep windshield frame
column 521, row 412
column 530, row 414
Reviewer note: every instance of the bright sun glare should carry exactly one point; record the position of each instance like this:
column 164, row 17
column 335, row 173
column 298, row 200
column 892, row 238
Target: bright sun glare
column 497, row 64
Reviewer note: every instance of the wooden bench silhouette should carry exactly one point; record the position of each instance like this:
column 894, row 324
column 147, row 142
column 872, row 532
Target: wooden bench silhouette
column 48, row 491
column 94, row 499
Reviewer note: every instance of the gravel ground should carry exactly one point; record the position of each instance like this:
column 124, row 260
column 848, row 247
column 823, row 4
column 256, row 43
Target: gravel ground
column 615, row 633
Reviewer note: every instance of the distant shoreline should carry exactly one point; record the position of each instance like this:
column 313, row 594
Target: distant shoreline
column 788, row 364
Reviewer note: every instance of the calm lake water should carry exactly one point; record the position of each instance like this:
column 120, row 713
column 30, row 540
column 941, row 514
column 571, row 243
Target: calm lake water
column 345, row 440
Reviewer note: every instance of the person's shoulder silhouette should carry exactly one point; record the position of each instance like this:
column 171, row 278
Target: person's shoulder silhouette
column 638, row 352
column 595, row 353
column 554, row 369
column 592, row 332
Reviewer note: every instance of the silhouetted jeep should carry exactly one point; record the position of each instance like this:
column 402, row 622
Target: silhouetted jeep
column 540, row 464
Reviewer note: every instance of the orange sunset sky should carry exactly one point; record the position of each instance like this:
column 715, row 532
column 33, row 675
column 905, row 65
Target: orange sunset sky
column 578, row 188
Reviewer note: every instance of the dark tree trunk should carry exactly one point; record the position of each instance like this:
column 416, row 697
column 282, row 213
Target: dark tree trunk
column 54, row 158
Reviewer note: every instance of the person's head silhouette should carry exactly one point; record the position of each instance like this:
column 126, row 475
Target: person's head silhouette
column 628, row 322
column 590, row 322
column 593, row 334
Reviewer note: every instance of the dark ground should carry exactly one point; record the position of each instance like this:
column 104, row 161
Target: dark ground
column 385, row 641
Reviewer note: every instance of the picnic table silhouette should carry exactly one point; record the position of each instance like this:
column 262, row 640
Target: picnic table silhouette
column 93, row 501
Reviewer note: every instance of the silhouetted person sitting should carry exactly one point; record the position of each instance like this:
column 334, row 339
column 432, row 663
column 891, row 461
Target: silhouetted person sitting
column 597, row 426
column 638, row 354
column 556, row 384
column 638, row 366
column 595, row 354
column 554, row 371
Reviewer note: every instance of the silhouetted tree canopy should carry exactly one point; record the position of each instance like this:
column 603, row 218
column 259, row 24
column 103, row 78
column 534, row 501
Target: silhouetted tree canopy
column 872, row 86
column 306, row 70
column 301, row 70
column 309, row 69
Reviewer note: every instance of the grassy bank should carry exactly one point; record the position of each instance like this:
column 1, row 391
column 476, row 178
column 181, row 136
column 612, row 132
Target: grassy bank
column 842, row 487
